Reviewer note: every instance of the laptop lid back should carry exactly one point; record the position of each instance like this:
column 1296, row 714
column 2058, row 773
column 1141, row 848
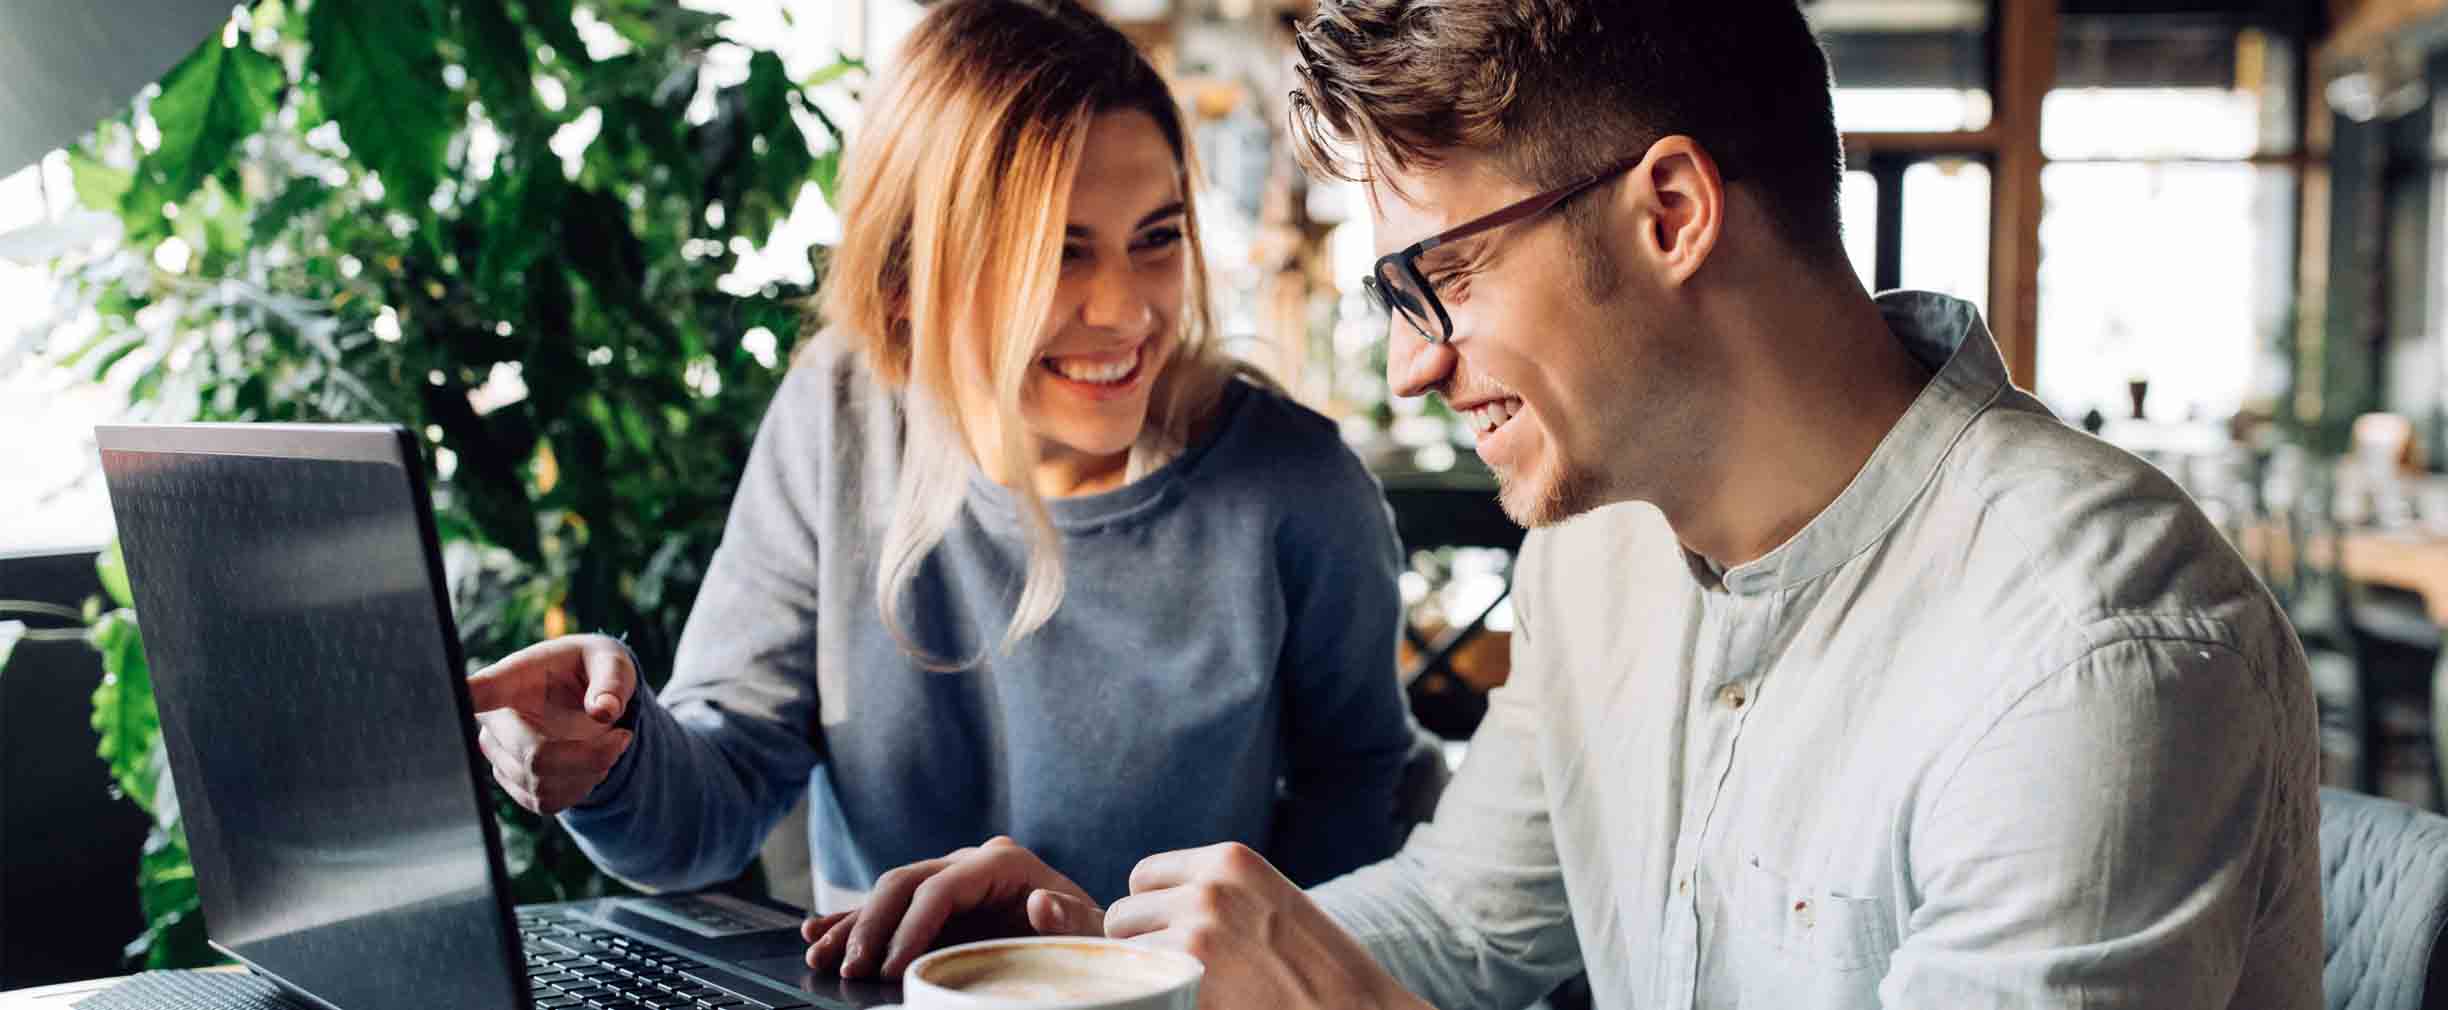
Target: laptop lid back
column 314, row 710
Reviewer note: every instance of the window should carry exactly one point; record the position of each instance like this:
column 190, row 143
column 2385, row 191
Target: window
column 1919, row 221
column 1907, row 65
column 1945, row 241
column 1857, row 201
column 2168, row 227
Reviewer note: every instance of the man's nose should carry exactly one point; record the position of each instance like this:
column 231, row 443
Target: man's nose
column 1415, row 366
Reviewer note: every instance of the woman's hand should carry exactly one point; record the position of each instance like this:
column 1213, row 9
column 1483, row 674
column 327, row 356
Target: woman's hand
column 546, row 713
column 993, row 890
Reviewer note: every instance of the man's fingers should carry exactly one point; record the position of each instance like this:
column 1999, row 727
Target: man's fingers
column 1146, row 912
column 610, row 681
column 1168, row 869
column 1053, row 913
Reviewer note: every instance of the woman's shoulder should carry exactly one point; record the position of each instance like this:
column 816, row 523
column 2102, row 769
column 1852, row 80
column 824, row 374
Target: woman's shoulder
column 828, row 382
column 1290, row 452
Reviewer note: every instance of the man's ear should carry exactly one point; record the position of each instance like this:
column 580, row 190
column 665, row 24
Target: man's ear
column 1677, row 198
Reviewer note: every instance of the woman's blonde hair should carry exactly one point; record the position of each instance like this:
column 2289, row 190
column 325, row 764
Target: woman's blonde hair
column 953, row 203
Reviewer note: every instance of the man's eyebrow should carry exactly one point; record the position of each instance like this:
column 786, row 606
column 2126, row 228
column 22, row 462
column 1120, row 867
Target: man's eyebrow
column 1453, row 252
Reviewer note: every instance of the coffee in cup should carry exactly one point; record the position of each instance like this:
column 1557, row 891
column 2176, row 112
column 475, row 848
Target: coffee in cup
column 1052, row 973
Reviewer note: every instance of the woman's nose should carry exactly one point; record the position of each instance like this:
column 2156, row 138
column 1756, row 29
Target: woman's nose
column 1114, row 303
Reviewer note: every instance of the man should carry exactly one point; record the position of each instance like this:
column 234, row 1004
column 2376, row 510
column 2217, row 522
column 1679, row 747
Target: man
column 1858, row 679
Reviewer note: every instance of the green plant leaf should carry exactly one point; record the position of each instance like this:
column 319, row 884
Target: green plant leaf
column 124, row 716
column 843, row 66
column 174, row 935
column 553, row 23
column 102, row 365
column 664, row 25
column 111, row 565
column 98, row 186
column 381, row 80
column 213, row 99
column 498, row 60
column 826, row 174
column 303, row 195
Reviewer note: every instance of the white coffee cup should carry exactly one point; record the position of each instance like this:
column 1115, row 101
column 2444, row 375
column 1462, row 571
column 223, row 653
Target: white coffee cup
column 1052, row 973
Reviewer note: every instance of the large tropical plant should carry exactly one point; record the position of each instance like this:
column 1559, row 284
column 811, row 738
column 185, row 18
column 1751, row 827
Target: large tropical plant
column 514, row 225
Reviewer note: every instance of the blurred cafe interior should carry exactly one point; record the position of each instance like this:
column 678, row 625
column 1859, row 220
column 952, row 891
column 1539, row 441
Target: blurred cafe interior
column 2211, row 232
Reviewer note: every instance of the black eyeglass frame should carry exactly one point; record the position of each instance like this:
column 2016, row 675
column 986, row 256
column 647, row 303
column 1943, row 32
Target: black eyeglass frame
column 1406, row 259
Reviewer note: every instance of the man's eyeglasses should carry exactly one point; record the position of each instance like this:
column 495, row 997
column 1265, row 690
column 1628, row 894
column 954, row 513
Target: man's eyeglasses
column 1397, row 284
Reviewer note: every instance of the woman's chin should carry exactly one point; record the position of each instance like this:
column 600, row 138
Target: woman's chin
column 1098, row 445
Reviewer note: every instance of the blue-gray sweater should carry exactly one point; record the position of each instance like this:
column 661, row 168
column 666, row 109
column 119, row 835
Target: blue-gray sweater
column 1221, row 667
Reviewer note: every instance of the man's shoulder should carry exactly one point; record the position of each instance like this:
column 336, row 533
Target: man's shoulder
column 2104, row 545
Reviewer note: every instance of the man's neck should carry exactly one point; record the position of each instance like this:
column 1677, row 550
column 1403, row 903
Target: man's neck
column 1814, row 385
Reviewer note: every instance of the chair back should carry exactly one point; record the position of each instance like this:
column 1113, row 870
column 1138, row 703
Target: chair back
column 2384, row 898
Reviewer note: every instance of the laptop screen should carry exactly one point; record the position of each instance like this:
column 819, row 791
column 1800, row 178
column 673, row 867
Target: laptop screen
column 308, row 681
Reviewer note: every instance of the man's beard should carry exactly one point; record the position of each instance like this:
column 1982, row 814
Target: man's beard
column 1547, row 497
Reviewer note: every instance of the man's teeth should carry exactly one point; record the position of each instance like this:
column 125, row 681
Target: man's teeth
column 1492, row 415
column 1094, row 372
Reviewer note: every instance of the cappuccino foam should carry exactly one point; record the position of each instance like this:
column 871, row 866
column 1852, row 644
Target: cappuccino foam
column 1055, row 974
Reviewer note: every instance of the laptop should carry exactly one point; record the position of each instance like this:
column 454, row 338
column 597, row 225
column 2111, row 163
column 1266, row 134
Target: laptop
column 315, row 713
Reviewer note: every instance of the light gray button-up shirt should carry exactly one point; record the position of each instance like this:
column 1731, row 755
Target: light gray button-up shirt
column 2008, row 725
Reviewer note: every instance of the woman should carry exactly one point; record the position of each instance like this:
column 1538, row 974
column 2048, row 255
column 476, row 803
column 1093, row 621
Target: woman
column 1017, row 551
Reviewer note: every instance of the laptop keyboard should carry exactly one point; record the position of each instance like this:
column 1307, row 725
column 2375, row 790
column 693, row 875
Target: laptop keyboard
column 573, row 965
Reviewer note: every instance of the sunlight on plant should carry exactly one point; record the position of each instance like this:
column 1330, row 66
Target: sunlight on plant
column 359, row 212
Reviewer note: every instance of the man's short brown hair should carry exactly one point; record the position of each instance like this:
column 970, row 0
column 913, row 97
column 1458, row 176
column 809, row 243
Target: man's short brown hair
column 1558, row 89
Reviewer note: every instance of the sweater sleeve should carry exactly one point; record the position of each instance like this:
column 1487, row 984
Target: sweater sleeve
column 723, row 749
column 1347, row 730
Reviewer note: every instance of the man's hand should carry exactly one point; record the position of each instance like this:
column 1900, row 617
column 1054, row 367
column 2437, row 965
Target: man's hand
column 1265, row 944
column 993, row 890
column 546, row 715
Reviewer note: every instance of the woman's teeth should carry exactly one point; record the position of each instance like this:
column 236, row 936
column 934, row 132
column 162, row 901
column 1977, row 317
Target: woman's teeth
column 1097, row 371
column 1492, row 415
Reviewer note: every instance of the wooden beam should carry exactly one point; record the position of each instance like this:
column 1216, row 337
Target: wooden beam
column 1861, row 144
column 2027, row 67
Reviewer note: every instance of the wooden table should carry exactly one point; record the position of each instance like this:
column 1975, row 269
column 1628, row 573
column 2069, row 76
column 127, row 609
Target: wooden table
column 2412, row 561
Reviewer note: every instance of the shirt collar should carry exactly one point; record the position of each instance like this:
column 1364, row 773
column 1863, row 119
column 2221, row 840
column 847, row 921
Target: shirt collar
column 1947, row 335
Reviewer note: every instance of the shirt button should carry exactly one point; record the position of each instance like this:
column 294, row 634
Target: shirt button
column 1732, row 697
column 1683, row 884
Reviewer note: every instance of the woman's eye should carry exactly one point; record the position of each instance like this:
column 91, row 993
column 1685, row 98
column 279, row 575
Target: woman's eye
column 1161, row 238
column 1074, row 254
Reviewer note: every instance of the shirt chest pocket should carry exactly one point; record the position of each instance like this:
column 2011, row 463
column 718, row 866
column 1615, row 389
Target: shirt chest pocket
column 1809, row 927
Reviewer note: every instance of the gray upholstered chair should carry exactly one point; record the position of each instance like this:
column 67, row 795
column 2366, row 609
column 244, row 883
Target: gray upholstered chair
column 2384, row 886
